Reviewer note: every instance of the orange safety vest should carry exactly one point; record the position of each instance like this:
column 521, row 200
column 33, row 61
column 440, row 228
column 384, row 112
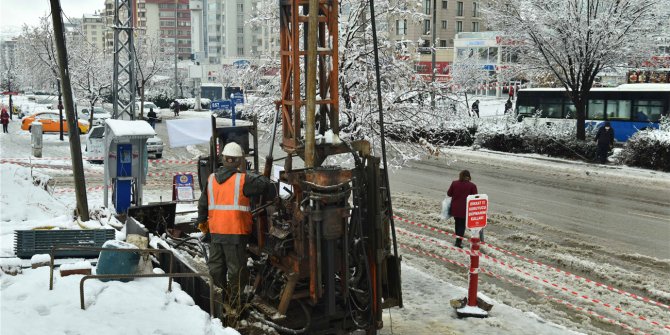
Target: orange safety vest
column 228, row 208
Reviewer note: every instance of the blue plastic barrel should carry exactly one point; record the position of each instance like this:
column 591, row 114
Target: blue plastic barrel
column 111, row 262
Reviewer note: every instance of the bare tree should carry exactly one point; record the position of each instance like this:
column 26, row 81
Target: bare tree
column 576, row 39
column 91, row 74
column 150, row 62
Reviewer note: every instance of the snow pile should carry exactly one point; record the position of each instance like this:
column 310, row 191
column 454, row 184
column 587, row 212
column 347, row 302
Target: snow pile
column 143, row 306
column 23, row 196
column 648, row 149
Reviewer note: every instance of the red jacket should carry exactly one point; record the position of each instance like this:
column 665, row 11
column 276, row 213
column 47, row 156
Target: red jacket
column 459, row 191
column 5, row 117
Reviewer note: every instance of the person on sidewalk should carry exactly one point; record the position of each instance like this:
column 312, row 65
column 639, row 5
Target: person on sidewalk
column 508, row 106
column 605, row 141
column 4, row 118
column 475, row 108
column 152, row 118
column 459, row 191
column 224, row 210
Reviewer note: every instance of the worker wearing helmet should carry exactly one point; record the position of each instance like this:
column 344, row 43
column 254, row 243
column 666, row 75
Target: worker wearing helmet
column 224, row 209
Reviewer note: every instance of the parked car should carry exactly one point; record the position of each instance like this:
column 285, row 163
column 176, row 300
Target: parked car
column 50, row 122
column 99, row 115
column 155, row 146
column 95, row 144
column 148, row 105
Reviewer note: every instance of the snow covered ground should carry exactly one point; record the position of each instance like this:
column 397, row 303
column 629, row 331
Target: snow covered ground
column 145, row 307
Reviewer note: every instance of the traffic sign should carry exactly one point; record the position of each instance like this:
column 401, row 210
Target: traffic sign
column 238, row 98
column 476, row 208
column 220, row 104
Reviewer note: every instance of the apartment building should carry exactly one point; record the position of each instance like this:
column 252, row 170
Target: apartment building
column 173, row 19
column 452, row 17
column 93, row 28
column 139, row 22
column 228, row 38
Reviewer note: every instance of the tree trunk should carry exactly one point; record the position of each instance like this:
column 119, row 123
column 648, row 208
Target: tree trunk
column 581, row 119
column 142, row 102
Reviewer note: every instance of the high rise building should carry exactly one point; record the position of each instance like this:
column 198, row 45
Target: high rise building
column 139, row 22
column 228, row 38
column 174, row 25
column 93, row 28
column 452, row 17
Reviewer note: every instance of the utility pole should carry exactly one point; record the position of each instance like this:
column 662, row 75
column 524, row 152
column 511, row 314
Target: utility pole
column 9, row 88
column 60, row 110
column 176, row 31
column 434, row 51
column 73, row 130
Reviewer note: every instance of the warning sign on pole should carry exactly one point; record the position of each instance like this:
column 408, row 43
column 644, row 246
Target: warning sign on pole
column 476, row 208
column 183, row 188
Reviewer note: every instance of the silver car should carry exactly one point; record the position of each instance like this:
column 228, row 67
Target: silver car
column 155, row 146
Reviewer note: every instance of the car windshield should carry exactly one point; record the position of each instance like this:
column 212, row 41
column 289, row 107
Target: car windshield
column 98, row 110
column 97, row 132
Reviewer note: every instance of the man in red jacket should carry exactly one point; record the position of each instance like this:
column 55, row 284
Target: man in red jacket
column 459, row 191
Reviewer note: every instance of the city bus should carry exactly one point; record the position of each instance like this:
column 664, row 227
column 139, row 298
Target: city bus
column 628, row 107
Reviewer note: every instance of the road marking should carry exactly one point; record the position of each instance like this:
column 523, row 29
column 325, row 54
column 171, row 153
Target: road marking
column 650, row 216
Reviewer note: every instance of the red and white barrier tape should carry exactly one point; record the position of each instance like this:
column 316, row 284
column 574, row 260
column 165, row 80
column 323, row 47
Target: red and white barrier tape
column 538, row 263
column 172, row 161
column 544, row 281
column 94, row 188
column 581, row 309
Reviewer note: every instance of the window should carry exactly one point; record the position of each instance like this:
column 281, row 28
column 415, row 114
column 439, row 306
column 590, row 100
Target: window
column 444, row 24
column 401, row 27
column 426, row 27
column 459, row 26
column 240, row 51
column 166, row 14
column 595, row 110
column 475, row 9
column 618, row 109
column 240, row 30
column 647, row 110
column 459, row 8
column 443, row 43
column 475, row 26
column 445, row 4
column 552, row 108
column 426, row 6
column 240, row 8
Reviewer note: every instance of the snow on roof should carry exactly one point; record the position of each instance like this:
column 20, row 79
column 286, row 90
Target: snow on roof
column 620, row 88
column 130, row 128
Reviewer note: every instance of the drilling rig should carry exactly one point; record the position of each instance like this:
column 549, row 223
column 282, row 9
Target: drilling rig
column 325, row 256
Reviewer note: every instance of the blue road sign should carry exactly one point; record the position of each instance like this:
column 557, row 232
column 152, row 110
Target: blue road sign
column 238, row 98
column 220, row 104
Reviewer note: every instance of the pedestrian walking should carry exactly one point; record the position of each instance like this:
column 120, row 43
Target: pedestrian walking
column 508, row 106
column 152, row 118
column 475, row 108
column 4, row 118
column 511, row 92
column 459, row 191
column 224, row 210
column 605, row 141
column 176, row 107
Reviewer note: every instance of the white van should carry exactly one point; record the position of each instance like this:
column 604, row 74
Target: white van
column 95, row 144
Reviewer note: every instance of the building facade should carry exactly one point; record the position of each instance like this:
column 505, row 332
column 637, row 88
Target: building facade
column 452, row 17
column 94, row 30
column 228, row 38
column 139, row 22
column 174, row 26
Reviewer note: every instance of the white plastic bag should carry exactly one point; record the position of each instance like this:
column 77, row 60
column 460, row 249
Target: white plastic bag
column 446, row 208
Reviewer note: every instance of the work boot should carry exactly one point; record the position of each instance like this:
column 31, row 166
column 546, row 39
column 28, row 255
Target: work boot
column 459, row 243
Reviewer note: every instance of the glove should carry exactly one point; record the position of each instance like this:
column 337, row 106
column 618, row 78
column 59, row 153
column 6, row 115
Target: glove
column 204, row 227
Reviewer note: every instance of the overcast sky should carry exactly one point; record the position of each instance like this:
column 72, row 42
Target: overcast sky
column 18, row 12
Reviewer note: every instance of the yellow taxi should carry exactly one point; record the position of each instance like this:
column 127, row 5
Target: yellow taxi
column 50, row 122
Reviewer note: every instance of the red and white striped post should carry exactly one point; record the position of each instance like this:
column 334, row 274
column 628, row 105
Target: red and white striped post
column 476, row 209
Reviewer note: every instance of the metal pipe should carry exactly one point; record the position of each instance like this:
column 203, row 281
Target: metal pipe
column 310, row 122
column 152, row 275
column 68, row 247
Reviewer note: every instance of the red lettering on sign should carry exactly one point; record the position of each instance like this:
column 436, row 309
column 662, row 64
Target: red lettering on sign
column 477, row 208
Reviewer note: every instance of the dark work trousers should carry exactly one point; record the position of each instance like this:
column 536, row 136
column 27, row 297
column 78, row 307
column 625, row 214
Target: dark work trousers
column 4, row 128
column 601, row 153
column 460, row 231
column 228, row 265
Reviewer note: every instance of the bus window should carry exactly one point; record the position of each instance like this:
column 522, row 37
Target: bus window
column 552, row 108
column 618, row 110
column 596, row 110
column 647, row 110
column 570, row 110
column 526, row 110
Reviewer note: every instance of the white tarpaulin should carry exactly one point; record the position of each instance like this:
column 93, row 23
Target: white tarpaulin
column 189, row 131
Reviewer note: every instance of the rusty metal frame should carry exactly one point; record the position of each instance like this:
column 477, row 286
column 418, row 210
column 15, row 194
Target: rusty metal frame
column 153, row 275
column 69, row 247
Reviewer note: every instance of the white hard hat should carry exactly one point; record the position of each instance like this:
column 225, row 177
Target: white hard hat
column 233, row 149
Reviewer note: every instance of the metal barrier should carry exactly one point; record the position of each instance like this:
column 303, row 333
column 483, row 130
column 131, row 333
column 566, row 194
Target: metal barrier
column 170, row 275
column 69, row 247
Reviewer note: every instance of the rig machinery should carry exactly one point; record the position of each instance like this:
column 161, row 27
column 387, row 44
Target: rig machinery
column 325, row 257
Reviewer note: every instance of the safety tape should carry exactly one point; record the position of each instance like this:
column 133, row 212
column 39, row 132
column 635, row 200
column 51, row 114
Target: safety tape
column 515, row 283
column 172, row 161
column 68, row 190
column 538, row 263
column 155, row 161
column 545, row 281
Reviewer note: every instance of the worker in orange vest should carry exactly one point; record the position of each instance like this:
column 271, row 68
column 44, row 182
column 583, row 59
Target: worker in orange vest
column 224, row 210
